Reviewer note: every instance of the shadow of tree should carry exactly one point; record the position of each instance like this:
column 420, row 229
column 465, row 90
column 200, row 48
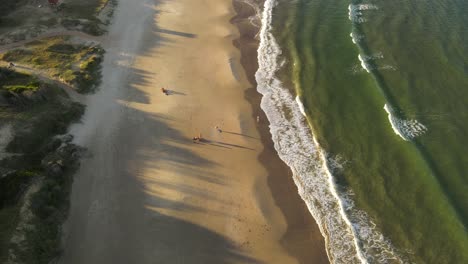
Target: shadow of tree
column 118, row 214
column 125, row 221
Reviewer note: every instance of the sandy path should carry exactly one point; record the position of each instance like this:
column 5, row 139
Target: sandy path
column 146, row 193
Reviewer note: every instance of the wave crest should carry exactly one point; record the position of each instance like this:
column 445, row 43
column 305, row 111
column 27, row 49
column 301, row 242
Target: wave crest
column 350, row 236
column 406, row 129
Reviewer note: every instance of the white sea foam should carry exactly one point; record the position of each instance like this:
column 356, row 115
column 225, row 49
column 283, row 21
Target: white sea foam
column 366, row 7
column 355, row 13
column 356, row 37
column 364, row 64
column 387, row 68
column 357, row 69
column 255, row 20
column 349, row 235
column 301, row 106
column 406, row 129
column 374, row 56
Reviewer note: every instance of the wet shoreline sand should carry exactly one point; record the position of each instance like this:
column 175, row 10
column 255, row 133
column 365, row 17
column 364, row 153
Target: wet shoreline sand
column 302, row 238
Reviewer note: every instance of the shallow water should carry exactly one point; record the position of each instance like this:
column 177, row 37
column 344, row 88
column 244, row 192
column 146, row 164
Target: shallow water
column 384, row 85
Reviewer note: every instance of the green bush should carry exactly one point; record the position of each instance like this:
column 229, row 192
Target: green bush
column 63, row 48
column 47, row 206
column 12, row 187
column 44, row 127
column 6, row 6
column 16, row 55
column 21, row 88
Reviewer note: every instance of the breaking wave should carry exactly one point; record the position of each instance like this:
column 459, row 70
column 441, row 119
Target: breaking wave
column 349, row 234
column 356, row 37
column 355, row 13
column 406, row 129
column 301, row 106
column 364, row 64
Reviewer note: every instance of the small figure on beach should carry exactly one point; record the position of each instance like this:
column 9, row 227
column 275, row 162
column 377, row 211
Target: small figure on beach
column 197, row 138
column 164, row 91
column 11, row 65
column 218, row 129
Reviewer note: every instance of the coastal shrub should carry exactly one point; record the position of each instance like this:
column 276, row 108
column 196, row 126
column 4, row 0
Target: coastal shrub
column 69, row 23
column 49, row 22
column 21, row 88
column 49, row 206
column 43, row 127
column 12, row 186
column 89, row 75
column 78, row 65
column 6, row 6
column 46, row 206
column 10, row 77
column 16, row 55
column 62, row 48
column 8, row 222
column 87, row 9
column 93, row 27
column 69, row 76
column 5, row 73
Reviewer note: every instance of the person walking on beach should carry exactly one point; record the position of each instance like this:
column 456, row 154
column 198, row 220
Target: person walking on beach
column 197, row 138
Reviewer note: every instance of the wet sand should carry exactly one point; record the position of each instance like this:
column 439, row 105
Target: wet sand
column 146, row 193
column 302, row 238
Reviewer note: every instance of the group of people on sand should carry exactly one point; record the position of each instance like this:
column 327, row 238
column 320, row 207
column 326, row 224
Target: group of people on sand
column 199, row 137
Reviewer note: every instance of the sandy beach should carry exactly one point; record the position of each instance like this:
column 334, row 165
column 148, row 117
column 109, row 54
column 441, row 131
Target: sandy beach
column 146, row 193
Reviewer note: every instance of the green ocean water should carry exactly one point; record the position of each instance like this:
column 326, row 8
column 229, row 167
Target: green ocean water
column 414, row 190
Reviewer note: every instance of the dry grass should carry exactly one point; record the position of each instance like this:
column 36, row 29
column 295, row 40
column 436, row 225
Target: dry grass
column 78, row 65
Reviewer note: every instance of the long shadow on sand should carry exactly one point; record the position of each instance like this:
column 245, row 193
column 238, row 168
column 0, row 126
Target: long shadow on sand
column 118, row 213
column 239, row 134
column 224, row 144
column 176, row 33
column 130, row 216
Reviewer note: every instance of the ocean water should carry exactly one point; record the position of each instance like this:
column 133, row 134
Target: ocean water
column 368, row 105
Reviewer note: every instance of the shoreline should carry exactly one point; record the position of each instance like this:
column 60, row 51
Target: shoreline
column 147, row 193
column 297, row 214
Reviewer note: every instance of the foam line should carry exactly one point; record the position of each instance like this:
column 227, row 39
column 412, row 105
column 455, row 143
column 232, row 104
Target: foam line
column 350, row 236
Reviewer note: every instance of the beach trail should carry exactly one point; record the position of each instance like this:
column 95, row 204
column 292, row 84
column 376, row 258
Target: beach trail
column 145, row 193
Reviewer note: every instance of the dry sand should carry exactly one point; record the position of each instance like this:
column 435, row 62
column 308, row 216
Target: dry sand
column 146, row 193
